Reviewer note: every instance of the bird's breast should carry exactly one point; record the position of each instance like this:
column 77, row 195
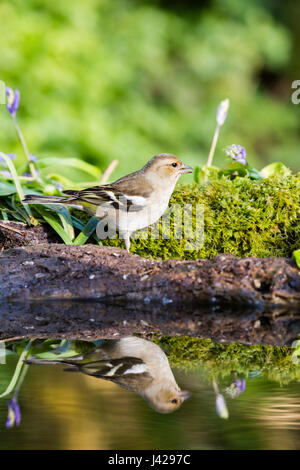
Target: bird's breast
column 132, row 220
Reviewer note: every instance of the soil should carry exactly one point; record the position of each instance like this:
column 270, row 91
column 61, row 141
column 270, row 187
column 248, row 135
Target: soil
column 14, row 234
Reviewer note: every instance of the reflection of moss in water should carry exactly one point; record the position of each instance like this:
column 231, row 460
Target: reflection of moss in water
column 274, row 362
column 243, row 217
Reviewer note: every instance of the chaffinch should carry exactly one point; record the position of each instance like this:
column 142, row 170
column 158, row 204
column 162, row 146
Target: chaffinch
column 135, row 364
column 130, row 203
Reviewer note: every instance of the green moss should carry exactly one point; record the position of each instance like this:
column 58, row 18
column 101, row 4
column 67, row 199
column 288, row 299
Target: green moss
column 243, row 217
column 219, row 360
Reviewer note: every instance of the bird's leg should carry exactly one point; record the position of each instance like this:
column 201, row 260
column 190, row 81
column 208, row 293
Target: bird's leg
column 127, row 242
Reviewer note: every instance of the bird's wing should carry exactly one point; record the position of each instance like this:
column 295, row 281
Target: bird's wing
column 115, row 368
column 120, row 195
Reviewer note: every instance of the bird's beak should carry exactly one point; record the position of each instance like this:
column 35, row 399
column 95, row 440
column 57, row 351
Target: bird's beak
column 186, row 169
column 184, row 394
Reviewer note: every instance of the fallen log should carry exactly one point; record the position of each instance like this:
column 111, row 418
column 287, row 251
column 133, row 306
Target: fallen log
column 106, row 274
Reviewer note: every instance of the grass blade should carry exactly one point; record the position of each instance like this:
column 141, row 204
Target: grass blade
column 86, row 232
column 4, row 215
column 51, row 219
column 66, row 220
column 80, row 226
column 19, row 189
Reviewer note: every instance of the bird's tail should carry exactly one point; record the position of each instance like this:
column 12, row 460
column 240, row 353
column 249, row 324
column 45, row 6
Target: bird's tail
column 50, row 362
column 33, row 199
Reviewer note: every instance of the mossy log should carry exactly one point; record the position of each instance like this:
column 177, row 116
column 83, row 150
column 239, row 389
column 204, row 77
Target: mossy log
column 241, row 217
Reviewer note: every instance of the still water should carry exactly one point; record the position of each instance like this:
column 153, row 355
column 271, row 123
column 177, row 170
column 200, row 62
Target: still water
column 114, row 400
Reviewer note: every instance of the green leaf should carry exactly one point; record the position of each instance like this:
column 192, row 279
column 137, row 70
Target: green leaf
column 15, row 177
column 51, row 219
column 86, row 232
column 66, row 220
column 296, row 256
column 54, row 355
column 274, row 168
column 50, row 349
column 198, row 174
column 71, row 168
column 201, row 173
column 254, row 174
column 4, row 215
column 19, row 210
column 80, row 225
column 6, row 189
column 69, row 184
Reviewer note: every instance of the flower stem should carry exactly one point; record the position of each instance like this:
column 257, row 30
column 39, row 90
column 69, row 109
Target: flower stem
column 109, row 171
column 212, row 151
column 213, row 146
column 25, row 148
column 215, row 386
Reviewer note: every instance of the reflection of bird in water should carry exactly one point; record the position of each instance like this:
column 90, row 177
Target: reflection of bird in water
column 135, row 364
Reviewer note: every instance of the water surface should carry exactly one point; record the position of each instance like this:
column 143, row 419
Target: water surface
column 233, row 410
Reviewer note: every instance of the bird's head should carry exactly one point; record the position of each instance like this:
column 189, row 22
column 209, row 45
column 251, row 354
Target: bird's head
column 166, row 166
column 167, row 400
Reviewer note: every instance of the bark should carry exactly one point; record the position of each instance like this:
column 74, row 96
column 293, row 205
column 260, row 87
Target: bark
column 91, row 291
column 59, row 271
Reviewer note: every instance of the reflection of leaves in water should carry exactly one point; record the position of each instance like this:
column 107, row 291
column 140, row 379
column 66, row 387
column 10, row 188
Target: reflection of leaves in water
column 14, row 412
column 55, row 349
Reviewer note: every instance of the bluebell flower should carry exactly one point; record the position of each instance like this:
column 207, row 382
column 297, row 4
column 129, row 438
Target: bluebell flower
column 14, row 413
column 13, row 100
column 237, row 153
column 222, row 112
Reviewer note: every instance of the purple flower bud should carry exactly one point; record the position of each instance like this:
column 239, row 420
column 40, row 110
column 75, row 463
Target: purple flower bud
column 14, row 413
column 222, row 112
column 237, row 153
column 236, row 388
column 12, row 156
column 240, row 385
column 28, row 174
column 13, row 100
column 6, row 174
column 33, row 158
column 59, row 186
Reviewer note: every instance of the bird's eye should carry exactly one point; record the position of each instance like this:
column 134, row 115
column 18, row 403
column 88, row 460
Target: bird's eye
column 174, row 401
column 174, row 164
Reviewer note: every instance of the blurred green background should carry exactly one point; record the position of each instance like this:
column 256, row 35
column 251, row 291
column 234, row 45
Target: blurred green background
column 127, row 79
